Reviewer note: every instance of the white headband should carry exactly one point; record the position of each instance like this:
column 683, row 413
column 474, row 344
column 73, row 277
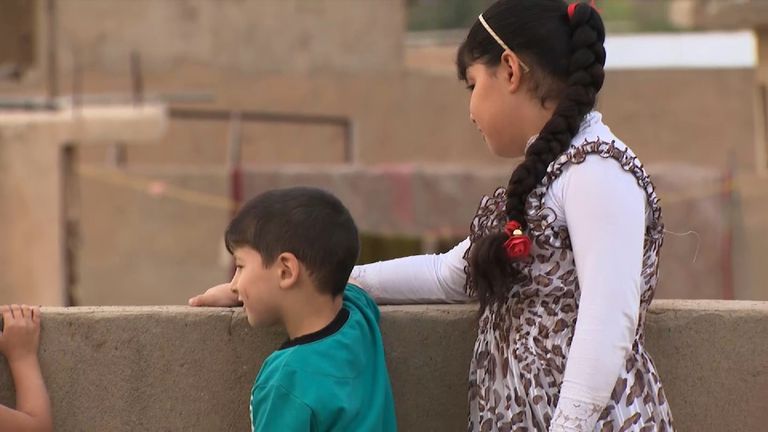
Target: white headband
column 526, row 69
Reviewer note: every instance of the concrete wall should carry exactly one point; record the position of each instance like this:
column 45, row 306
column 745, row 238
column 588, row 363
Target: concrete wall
column 35, row 176
column 176, row 368
column 248, row 36
column 181, row 252
column 666, row 117
column 17, row 46
column 717, row 14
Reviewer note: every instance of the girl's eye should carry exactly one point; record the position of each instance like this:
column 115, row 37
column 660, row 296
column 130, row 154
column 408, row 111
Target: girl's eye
column 471, row 87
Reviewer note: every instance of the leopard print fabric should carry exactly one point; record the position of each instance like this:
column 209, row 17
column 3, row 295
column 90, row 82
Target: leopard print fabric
column 522, row 345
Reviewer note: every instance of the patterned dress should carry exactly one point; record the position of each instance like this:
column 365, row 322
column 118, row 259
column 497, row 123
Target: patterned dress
column 523, row 343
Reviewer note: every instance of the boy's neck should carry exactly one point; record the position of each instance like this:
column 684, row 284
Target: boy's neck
column 311, row 313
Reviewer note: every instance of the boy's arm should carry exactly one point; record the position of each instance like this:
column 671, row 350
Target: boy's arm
column 19, row 342
column 219, row 296
column 275, row 409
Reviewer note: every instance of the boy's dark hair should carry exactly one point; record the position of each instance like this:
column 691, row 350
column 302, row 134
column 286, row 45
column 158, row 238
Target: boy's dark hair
column 310, row 223
column 566, row 57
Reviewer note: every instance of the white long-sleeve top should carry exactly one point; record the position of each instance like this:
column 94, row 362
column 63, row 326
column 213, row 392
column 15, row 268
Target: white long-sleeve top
column 605, row 212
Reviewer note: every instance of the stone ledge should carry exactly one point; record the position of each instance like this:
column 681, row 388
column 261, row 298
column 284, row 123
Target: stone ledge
column 180, row 368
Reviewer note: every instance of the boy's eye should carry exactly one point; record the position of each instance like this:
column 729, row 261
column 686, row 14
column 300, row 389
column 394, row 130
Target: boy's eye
column 470, row 87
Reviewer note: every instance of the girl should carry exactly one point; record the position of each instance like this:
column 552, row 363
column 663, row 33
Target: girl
column 18, row 343
column 564, row 259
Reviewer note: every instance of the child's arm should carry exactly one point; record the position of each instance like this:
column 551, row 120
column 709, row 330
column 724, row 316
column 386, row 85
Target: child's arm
column 19, row 342
column 220, row 295
column 417, row 279
column 605, row 214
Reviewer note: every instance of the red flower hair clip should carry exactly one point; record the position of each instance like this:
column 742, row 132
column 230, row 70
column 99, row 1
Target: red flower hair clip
column 572, row 8
column 518, row 245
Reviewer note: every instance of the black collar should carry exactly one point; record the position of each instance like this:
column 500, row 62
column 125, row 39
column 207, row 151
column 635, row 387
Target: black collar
column 331, row 328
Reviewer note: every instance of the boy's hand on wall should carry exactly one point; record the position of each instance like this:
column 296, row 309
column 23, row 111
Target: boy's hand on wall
column 218, row 296
column 21, row 332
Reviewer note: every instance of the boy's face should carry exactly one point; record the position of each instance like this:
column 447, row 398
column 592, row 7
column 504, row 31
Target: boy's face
column 257, row 286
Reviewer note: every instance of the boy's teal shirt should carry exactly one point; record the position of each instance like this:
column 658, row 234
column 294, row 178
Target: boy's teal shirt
column 333, row 380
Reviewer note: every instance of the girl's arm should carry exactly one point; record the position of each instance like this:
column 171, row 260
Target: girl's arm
column 19, row 342
column 417, row 279
column 605, row 214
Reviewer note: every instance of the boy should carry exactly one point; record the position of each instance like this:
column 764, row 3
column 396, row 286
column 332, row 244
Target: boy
column 294, row 250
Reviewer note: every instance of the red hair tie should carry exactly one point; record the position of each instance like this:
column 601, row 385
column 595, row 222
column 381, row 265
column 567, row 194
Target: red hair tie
column 518, row 245
column 572, row 8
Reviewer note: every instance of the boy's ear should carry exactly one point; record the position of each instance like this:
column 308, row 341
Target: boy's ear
column 288, row 268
